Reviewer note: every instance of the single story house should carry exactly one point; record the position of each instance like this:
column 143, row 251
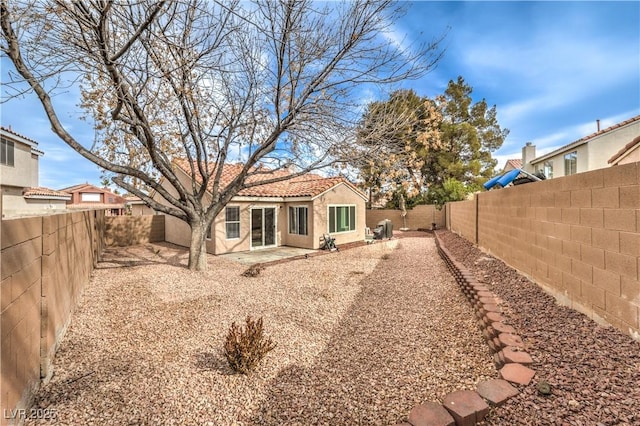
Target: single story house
column 294, row 212
column 136, row 207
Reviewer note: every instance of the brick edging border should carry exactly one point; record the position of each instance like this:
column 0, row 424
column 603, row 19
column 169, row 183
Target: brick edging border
column 466, row 407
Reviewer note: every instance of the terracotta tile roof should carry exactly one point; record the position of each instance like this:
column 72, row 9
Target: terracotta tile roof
column 81, row 186
column 586, row 139
column 307, row 185
column 44, row 192
column 94, row 206
column 18, row 135
column 623, row 150
column 133, row 199
column 515, row 163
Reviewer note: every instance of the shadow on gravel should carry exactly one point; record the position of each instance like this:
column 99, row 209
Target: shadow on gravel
column 213, row 361
column 148, row 254
column 368, row 373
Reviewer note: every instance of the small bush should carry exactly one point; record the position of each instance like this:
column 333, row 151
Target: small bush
column 246, row 346
column 253, row 271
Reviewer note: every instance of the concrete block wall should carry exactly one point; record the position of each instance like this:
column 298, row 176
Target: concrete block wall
column 462, row 219
column 20, row 312
column 421, row 216
column 45, row 263
column 578, row 237
column 132, row 230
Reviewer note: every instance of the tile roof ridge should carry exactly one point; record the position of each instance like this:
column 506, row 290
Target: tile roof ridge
column 11, row 131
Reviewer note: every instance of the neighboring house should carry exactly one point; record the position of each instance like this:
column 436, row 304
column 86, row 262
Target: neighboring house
column 87, row 196
column 630, row 153
column 295, row 212
column 19, row 168
column 136, row 207
column 512, row 165
column 591, row 152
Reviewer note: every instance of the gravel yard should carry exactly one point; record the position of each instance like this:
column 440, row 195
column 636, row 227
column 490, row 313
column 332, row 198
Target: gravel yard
column 363, row 335
column 594, row 371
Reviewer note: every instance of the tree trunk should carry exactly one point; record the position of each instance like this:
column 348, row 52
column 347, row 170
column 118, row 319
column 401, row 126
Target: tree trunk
column 198, row 247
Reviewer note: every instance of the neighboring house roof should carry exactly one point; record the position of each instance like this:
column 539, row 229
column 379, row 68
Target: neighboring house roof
column 585, row 139
column 514, row 163
column 624, row 151
column 307, row 185
column 133, row 199
column 83, row 188
column 45, row 193
column 94, row 206
column 7, row 132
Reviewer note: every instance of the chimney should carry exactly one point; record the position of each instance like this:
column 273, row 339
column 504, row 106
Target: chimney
column 528, row 154
column 598, row 124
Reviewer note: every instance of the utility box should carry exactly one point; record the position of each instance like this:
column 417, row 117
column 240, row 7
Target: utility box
column 384, row 229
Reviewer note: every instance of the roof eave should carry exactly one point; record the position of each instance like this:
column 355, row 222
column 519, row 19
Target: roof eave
column 48, row 197
column 353, row 189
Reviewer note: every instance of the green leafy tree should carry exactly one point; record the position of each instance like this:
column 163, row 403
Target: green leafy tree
column 394, row 137
column 469, row 133
column 451, row 190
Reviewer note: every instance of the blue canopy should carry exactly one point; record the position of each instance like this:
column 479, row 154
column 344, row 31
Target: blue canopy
column 503, row 179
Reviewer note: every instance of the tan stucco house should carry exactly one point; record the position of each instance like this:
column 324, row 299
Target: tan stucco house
column 295, row 212
column 136, row 207
column 591, row 152
column 19, row 176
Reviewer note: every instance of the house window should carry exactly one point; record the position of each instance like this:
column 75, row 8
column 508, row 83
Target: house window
column 342, row 219
column 91, row 197
column 6, row 152
column 570, row 163
column 208, row 235
column 232, row 222
column 298, row 220
column 548, row 169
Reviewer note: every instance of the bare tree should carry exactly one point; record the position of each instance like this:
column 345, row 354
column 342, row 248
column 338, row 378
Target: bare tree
column 275, row 82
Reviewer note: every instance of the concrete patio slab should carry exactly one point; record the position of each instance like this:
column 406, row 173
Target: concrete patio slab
column 266, row 255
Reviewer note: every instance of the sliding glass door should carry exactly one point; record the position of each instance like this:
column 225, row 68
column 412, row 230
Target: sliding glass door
column 263, row 227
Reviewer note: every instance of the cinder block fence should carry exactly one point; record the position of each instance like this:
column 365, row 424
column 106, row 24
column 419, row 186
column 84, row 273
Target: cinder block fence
column 45, row 263
column 578, row 237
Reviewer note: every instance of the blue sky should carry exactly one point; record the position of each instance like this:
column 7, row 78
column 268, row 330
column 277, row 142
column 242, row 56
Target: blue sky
column 551, row 69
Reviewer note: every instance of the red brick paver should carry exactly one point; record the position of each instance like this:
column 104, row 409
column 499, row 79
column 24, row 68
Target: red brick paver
column 430, row 414
column 512, row 354
column 517, row 373
column 496, row 391
column 466, row 407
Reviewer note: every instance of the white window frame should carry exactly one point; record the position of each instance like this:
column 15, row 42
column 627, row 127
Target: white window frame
column 90, row 197
column 294, row 222
column 9, row 152
column 569, row 158
column 231, row 222
column 351, row 229
column 547, row 167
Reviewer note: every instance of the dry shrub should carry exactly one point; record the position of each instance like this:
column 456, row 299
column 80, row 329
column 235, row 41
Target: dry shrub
column 253, row 271
column 246, row 346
